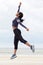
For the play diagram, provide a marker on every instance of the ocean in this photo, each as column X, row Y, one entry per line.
column 22, row 51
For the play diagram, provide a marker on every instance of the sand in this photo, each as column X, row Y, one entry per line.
column 21, row 60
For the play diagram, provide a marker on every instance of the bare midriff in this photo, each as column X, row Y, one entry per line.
column 14, row 27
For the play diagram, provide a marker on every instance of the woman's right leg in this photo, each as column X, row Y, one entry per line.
column 15, row 47
column 15, row 44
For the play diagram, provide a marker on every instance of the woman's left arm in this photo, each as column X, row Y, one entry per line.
column 23, row 26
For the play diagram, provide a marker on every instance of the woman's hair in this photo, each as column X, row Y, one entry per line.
column 21, row 20
column 20, row 14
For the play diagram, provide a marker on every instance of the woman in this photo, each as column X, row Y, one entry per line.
column 18, row 37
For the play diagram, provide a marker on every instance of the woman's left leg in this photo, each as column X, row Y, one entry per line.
column 26, row 43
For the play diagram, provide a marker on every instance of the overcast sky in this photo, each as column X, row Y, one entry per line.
column 33, row 16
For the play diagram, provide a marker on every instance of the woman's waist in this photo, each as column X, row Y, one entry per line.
column 16, row 30
column 14, row 27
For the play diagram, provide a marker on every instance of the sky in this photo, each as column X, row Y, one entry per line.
column 33, row 16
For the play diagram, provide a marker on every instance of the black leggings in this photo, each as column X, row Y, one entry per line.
column 18, row 37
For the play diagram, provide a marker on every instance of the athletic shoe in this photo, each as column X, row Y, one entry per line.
column 13, row 56
column 32, row 48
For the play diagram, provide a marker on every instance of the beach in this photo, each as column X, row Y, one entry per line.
column 26, row 57
column 21, row 60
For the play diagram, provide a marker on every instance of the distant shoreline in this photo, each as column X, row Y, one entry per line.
column 22, row 51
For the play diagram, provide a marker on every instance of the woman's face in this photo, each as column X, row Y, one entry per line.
column 17, row 14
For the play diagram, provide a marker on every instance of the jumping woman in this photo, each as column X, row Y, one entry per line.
column 18, row 37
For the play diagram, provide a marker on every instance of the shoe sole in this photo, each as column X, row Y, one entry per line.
column 13, row 57
column 33, row 49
